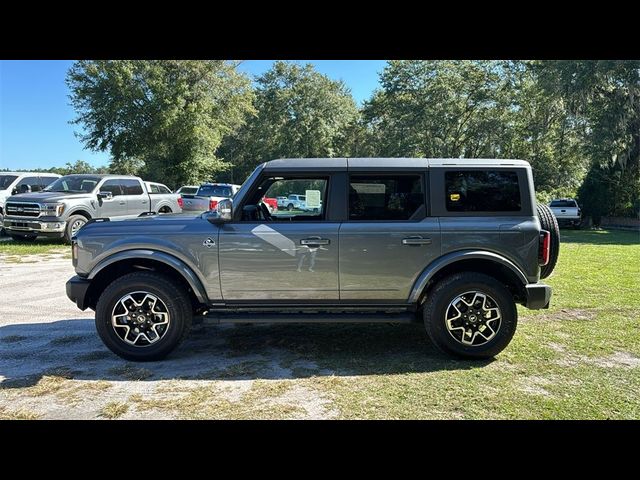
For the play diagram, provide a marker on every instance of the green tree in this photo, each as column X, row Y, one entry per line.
column 161, row 118
column 604, row 96
column 439, row 109
column 299, row 113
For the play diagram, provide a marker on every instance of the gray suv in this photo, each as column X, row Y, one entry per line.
column 453, row 243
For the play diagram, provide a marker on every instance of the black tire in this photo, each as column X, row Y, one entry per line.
column 168, row 291
column 23, row 237
column 164, row 210
column 549, row 223
column 73, row 219
column 2, row 230
column 445, row 291
column 290, row 207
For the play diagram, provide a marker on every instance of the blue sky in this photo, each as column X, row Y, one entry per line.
column 35, row 112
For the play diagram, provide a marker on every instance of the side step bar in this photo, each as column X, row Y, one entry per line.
column 268, row 317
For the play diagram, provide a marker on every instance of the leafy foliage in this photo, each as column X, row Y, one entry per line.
column 161, row 118
column 300, row 113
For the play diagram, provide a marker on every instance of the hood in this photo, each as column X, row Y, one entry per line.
column 47, row 197
column 151, row 225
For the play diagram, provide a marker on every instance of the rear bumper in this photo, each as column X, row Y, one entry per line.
column 77, row 291
column 538, row 296
column 568, row 221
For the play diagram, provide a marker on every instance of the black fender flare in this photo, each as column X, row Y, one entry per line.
column 175, row 263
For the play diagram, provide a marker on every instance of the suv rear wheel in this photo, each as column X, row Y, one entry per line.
column 143, row 316
column 470, row 315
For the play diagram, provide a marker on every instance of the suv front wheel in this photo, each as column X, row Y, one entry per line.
column 143, row 316
column 470, row 315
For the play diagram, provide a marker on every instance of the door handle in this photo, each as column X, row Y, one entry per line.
column 123, row 203
column 315, row 241
column 416, row 241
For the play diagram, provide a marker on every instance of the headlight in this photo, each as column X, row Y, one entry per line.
column 54, row 209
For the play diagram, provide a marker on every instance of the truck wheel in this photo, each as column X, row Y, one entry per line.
column 2, row 230
column 164, row 210
column 143, row 316
column 470, row 315
column 18, row 237
column 548, row 222
column 290, row 207
column 74, row 224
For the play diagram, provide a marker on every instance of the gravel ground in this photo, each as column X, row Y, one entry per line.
column 53, row 365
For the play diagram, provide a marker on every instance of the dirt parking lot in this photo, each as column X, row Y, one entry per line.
column 580, row 359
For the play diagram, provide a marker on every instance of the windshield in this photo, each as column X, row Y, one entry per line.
column 215, row 191
column 563, row 203
column 6, row 180
column 74, row 184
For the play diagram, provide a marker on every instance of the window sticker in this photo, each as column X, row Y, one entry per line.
column 376, row 188
column 312, row 198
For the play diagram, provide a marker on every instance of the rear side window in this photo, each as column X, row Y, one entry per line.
column 163, row 189
column 386, row 197
column 131, row 187
column 482, row 191
column 154, row 188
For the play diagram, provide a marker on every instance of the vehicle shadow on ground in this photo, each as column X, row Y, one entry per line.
column 71, row 349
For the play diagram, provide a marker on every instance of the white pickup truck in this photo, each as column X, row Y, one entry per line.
column 566, row 211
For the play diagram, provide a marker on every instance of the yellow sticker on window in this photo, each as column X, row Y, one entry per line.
column 454, row 197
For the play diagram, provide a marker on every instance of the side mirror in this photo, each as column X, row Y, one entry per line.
column 105, row 195
column 223, row 212
column 14, row 191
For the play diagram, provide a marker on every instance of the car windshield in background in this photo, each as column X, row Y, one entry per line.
column 189, row 190
column 74, row 184
column 215, row 191
column 563, row 203
column 6, row 180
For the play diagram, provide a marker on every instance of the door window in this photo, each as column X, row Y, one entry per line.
column 112, row 186
column 305, row 199
column 153, row 188
column 29, row 185
column 386, row 198
column 131, row 186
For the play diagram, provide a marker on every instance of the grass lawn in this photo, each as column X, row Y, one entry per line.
column 579, row 359
column 14, row 251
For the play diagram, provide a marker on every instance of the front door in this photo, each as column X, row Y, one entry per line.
column 387, row 240
column 287, row 255
column 116, row 206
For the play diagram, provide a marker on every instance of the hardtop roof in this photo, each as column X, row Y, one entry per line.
column 386, row 162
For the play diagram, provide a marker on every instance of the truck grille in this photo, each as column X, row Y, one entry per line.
column 23, row 209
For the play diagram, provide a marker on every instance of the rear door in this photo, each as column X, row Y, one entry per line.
column 136, row 196
column 284, row 256
column 388, row 239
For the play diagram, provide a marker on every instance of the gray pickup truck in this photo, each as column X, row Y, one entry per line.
column 208, row 196
column 67, row 204
column 452, row 243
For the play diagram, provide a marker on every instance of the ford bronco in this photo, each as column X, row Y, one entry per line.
column 452, row 243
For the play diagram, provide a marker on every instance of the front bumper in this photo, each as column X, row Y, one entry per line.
column 538, row 296
column 54, row 228
column 77, row 291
